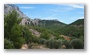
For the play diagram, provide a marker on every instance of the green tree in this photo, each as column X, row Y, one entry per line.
column 16, row 36
column 9, row 21
column 12, row 29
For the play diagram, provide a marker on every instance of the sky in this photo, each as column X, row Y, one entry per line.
column 66, row 13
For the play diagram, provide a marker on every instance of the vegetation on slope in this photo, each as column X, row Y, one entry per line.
column 53, row 34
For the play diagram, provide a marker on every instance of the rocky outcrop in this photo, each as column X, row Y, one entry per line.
column 9, row 8
column 24, row 46
column 35, row 33
column 35, row 21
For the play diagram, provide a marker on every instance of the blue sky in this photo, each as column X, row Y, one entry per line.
column 66, row 13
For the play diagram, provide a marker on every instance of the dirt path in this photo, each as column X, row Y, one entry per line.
column 42, row 47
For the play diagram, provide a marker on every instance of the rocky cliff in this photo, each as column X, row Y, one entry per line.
column 8, row 8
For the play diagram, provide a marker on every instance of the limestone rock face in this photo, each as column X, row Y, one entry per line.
column 8, row 8
column 35, row 21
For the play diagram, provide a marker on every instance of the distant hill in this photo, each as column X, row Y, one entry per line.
column 51, row 24
column 78, row 22
column 75, row 29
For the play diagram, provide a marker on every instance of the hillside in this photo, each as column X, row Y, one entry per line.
column 51, row 24
column 20, row 32
column 75, row 29
column 78, row 22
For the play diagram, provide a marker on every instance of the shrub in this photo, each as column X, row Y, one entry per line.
column 8, row 44
column 35, row 39
column 58, row 44
column 42, row 41
column 54, row 44
column 77, row 44
column 27, row 34
column 45, row 35
column 18, row 43
column 67, row 44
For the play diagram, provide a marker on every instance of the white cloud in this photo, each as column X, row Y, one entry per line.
column 74, row 5
column 67, row 7
column 27, row 7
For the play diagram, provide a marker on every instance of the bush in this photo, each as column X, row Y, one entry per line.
column 45, row 35
column 8, row 44
column 27, row 34
column 58, row 44
column 81, row 38
column 67, row 44
column 18, row 43
column 49, row 43
column 59, row 37
column 77, row 44
column 42, row 41
column 35, row 39
column 54, row 44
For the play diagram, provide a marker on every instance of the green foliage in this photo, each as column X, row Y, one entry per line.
column 27, row 34
column 54, row 44
column 67, row 44
column 72, row 31
column 72, row 38
column 12, row 30
column 81, row 38
column 16, row 36
column 59, row 37
column 9, row 21
column 51, row 25
column 8, row 44
column 18, row 43
column 45, row 35
column 35, row 39
column 58, row 44
column 50, row 43
column 15, row 32
column 77, row 44
column 42, row 41
column 78, row 22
